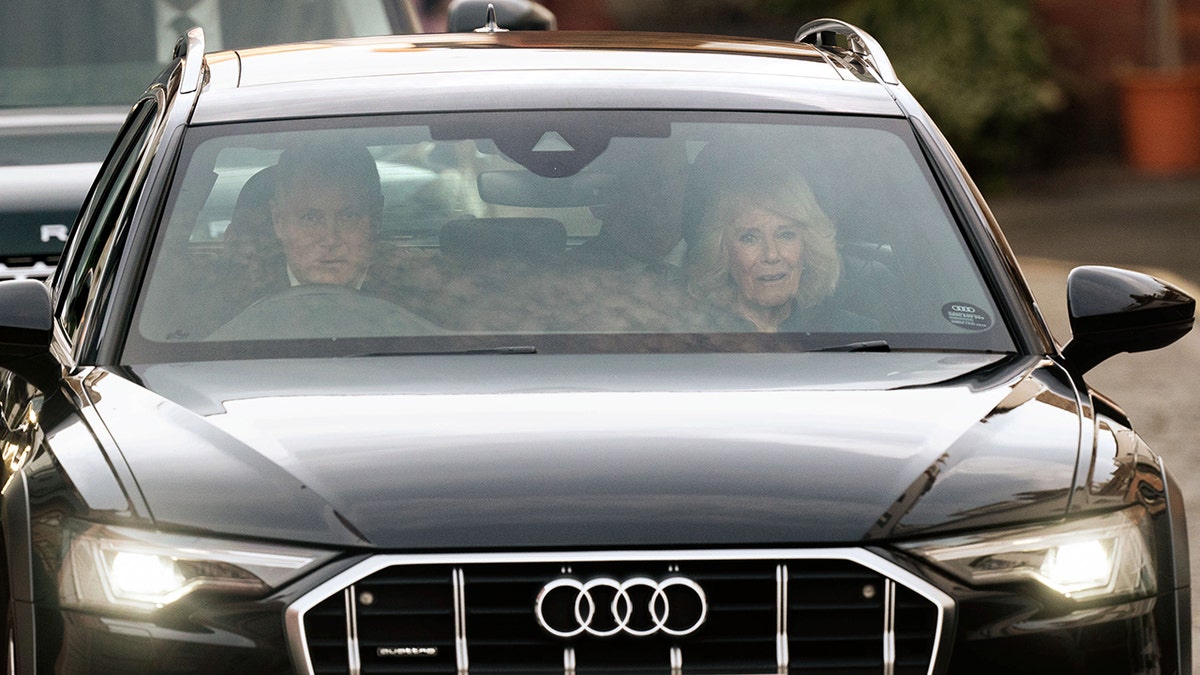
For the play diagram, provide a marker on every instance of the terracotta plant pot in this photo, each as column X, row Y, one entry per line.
column 1160, row 112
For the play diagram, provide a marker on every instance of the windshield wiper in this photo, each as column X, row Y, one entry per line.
column 867, row 346
column 515, row 349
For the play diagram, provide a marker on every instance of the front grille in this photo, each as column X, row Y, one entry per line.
column 844, row 612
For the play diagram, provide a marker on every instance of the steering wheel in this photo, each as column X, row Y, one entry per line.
column 322, row 311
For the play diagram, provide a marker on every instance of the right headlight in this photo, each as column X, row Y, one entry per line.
column 121, row 567
column 1108, row 555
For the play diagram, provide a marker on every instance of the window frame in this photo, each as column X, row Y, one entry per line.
column 82, row 283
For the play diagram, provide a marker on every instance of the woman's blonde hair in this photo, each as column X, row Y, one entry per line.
column 783, row 191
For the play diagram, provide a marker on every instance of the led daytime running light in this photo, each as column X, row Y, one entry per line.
column 134, row 569
column 1104, row 555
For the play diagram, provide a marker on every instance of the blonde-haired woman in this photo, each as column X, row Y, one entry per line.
column 766, row 253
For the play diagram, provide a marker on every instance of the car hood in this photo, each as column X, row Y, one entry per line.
column 523, row 451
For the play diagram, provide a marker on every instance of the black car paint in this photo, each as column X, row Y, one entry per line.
column 529, row 491
column 681, row 466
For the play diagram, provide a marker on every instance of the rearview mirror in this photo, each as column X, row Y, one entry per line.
column 1114, row 310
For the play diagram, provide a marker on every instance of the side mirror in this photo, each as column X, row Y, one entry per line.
column 1114, row 310
column 465, row 16
column 26, row 328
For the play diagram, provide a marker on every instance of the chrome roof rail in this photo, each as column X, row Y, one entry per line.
column 824, row 32
column 190, row 48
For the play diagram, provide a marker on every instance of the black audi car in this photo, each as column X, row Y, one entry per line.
column 569, row 353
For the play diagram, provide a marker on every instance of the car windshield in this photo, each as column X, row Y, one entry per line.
column 558, row 231
column 102, row 52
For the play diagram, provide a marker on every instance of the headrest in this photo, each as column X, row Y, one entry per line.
column 251, row 219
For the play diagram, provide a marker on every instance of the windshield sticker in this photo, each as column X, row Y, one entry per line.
column 965, row 315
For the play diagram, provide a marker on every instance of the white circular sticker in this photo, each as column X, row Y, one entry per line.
column 965, row 315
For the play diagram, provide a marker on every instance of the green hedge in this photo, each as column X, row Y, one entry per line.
column 980, row 68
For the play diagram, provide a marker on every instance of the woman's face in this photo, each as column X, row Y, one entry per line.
column 765, row 251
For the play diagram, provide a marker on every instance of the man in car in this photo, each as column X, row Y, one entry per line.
column 326, row 207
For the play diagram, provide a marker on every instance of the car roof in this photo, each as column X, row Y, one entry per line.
column 531, row 70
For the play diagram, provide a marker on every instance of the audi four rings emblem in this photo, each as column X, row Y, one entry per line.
column 639, row 606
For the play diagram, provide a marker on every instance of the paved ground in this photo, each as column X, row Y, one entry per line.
column 1105, row 214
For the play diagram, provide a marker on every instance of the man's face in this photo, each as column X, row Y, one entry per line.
column 325, row 229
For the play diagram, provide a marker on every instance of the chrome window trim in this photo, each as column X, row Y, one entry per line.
column 294, row 614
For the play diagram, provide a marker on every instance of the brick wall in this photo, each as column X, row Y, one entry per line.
column 1094, row 42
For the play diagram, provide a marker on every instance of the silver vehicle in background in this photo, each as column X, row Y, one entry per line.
column 68, row 69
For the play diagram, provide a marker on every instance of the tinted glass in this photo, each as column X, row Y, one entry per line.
column 560, row 231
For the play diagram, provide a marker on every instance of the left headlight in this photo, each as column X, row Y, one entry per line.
column 1093, row 557
column 107, row 567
